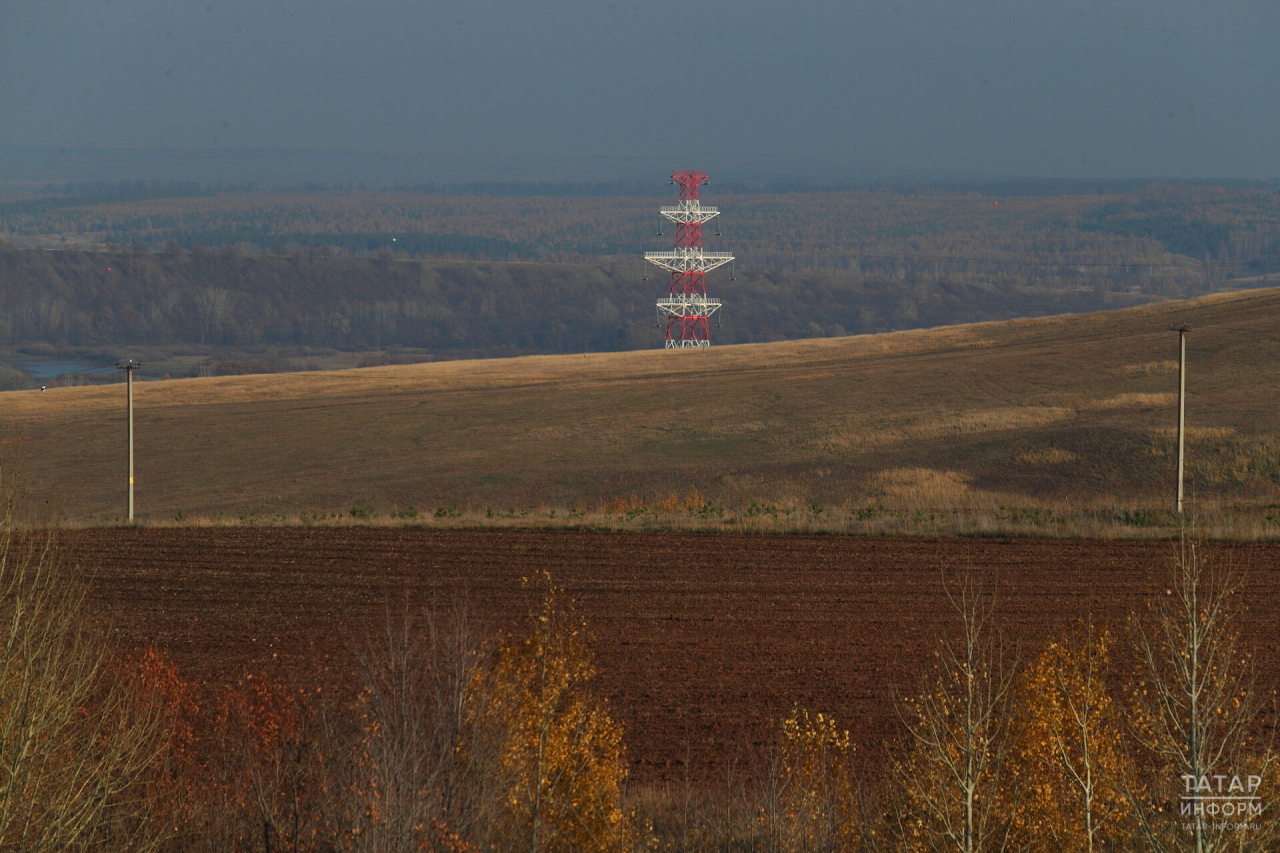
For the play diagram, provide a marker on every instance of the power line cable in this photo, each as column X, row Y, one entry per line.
column 854, row 254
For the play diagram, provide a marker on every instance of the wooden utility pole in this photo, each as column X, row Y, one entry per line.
column 1182, row 407
column 128, row 367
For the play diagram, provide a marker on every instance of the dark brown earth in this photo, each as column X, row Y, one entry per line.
column 703, row 642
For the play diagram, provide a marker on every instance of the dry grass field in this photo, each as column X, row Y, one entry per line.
column 1053, row 423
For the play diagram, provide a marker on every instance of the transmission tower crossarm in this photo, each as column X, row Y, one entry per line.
column 688, row 260
column 688, row 304
column 690, row 211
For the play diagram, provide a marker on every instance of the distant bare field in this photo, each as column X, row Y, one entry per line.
column 1006, row 420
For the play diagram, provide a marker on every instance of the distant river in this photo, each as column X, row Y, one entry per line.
column 51, row 369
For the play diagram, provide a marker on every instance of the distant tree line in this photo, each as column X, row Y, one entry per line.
column 1177, row 239
column 223, row 299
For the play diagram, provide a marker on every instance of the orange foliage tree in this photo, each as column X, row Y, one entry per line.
column 1070, row 754
column 544, row 744
column 163, row 810
column 818, row 798
column 269, row 772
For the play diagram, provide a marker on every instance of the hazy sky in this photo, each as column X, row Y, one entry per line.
column 927, row 88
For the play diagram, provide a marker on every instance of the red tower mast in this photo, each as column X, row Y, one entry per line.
column 688, row 310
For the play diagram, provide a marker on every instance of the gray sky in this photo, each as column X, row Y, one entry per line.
column 915, row 88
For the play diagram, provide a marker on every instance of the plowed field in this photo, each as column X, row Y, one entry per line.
column 703, row 642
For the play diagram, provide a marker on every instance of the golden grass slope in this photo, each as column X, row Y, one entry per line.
column 1072, row 408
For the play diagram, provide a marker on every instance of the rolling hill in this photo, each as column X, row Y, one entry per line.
column 997, row 418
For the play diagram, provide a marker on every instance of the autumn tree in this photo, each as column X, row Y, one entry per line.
column 74, row 738
column 952, row 788
column 818, row 797
column 271, row 770
column 165, row 809
column 1197, row 715
column 1070, row 754
column 538, row 737
column 410, row 776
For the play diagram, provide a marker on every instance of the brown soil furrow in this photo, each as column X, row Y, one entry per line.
column 703, row 642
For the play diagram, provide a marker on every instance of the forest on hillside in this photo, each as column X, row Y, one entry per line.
column 1175, row 239
column 260, row 275
column 219, row 302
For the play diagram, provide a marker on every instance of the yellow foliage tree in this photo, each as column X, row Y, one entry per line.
column 77, row 740
column 537, row 735
column 1069, row 754
column 819, row 804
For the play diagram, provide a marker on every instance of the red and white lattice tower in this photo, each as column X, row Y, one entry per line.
column 688, row 310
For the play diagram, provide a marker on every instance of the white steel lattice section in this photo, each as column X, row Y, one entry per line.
column 690, row 211
column 688, row 260
column 688, row 305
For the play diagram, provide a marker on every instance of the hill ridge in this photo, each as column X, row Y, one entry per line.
column 1072, row 408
